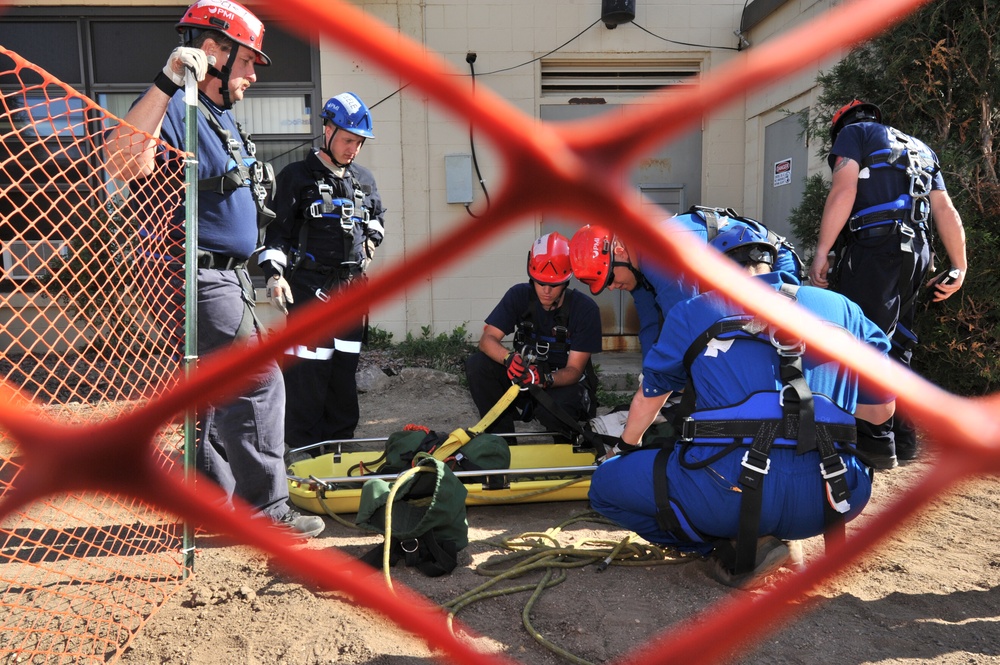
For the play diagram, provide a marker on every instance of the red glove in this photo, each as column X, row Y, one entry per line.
column 534, row 376
column 515, row 366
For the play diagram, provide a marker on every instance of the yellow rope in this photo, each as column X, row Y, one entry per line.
column 543, row 551
column 399, row 482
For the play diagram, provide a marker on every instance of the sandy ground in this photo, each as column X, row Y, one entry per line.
column 930, row 595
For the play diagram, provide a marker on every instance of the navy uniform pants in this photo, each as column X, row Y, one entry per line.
column 881, row 274
column 321, row 380
column 488, row 382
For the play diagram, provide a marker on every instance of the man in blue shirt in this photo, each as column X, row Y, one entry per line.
column 241, row 444
column 887, row 195
column 747, row 434
column 556, row 330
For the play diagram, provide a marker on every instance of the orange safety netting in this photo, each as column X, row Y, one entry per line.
column 120, row 454
column 80, row 570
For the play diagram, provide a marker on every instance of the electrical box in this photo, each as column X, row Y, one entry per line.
column 458, row 178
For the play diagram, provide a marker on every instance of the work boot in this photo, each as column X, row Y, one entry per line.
column 771, row 555
column 301, row 526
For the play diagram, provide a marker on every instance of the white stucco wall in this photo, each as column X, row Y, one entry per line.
column 413, row 135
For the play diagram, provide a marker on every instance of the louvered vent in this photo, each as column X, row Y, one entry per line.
column 613, row 80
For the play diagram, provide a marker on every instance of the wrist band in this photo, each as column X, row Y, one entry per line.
column 165, row 84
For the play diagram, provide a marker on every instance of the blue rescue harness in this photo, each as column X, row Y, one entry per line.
column 911, row 209
column 792, row 417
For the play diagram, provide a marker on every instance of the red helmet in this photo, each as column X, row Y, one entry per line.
column 231, row 19
column 590, row 255
column 548, row 260
column 856, row 111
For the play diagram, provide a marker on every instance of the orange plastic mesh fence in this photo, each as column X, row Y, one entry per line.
column 573, row 160
column 80, row 571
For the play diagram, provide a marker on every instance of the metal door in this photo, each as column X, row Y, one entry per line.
column 670, row 180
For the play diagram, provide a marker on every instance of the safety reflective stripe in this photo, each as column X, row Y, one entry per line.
column 309, row 352
column 320, row 353
column 347, row 346
column 275, row 256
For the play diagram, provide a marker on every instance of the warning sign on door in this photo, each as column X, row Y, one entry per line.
column 783, row 172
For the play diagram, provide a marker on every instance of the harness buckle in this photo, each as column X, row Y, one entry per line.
column 837, row 493
column 346, row 215
column 791, row 349
column 746, row 463
column 322, row 295
column 687, row 429
column 827, row 475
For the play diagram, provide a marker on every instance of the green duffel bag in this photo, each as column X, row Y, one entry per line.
column 484, row 451
column 429, row 524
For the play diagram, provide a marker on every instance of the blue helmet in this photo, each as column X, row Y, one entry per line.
column 349, row 113
column 745, row 244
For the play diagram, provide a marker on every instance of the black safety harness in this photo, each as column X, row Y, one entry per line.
column 534, row 344
column 797, row 422
column 349, row 211
column 912, row 209
column 906, row 215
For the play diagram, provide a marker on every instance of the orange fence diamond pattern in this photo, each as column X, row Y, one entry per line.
column 88, row 552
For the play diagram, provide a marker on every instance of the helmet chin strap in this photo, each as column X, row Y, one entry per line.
column 329, row 153
column 223, row 76
column 558, row 300
column 640, row 279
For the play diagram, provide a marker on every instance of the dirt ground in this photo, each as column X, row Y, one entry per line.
column 931, row 595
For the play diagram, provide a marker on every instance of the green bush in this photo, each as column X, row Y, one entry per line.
column 446, row 352
column 378, row 339
column 933, row 76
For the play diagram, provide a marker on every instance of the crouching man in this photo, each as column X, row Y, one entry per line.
column 767, row 453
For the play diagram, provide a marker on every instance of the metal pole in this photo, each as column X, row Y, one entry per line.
column 338, row 443
column 535, row 471
column 190, row 291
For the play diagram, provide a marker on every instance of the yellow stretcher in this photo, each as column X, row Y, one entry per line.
column 538, row 473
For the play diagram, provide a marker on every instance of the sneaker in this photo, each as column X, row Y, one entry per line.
column 880, row 462
column 796, row 555
column 771, row 555
column 301, row 526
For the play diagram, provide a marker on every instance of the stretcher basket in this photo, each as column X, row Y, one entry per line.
column 538, row 473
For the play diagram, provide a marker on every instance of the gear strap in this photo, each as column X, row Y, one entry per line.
column 798, row 410
column 258, row 175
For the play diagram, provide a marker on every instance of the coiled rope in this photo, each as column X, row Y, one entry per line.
column 534, row 551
